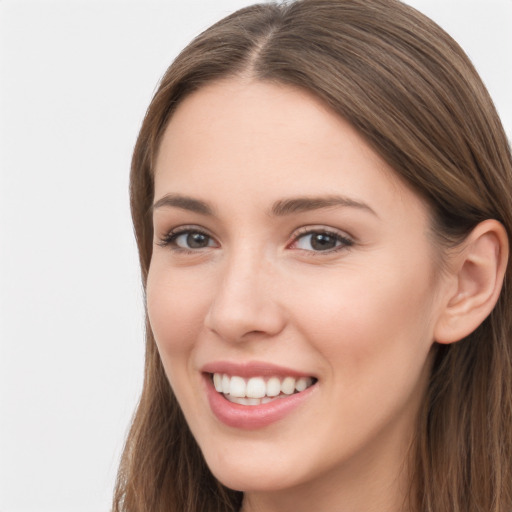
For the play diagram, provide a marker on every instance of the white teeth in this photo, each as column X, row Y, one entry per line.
column 225, row 384
column 288, row 386
column 237, row 387
column 249, row 401
column 301, row 384
column 256, row 390
column 217, row 382
column 273, row 386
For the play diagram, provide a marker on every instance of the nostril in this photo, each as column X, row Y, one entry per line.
column 244, row 322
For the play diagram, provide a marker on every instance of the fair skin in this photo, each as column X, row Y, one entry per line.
column 343, row 291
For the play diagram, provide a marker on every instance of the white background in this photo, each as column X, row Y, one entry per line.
column 75, row 80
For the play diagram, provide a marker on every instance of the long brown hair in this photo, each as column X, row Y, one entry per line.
column 413, row 94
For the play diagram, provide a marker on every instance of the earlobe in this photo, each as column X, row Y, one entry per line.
column 478, row 270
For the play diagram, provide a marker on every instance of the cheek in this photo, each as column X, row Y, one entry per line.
column 375, row 336
column 376, row 317
column 176, row 310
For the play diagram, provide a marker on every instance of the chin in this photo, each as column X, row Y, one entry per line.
column 253, row 478
column 257, row 468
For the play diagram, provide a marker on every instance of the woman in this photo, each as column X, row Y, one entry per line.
column 321, row 198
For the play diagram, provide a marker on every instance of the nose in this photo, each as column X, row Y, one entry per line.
column 245, row 303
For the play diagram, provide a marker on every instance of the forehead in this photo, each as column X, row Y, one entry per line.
column 262, row 141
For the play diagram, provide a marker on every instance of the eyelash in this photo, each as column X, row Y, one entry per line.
column 169, row 240
column 345, row 242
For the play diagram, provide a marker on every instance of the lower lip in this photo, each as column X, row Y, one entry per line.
column 251, row 417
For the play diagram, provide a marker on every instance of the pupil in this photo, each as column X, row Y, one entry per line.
column 322, row 242
column 197, row 240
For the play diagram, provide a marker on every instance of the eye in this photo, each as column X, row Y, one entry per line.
column 321, row 241
column 193, row 240
column 188, row 240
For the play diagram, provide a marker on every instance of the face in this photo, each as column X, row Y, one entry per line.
column 292, row 290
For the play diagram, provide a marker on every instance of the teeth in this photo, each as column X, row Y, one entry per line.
column 237, row 387
column 225, row 384
column 273, row 386
column 246, row 401
column 256, row 387
column 217, row 382
column 288, row 386
column 301, row 384
column 257, row 390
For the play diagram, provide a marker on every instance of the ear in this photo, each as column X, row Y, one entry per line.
column 477, row 269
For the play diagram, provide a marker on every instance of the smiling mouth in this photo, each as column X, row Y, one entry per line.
column 258, row 390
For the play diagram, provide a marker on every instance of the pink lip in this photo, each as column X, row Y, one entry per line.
column 249, row 417
column 252, row 369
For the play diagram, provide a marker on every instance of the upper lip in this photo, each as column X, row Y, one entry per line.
column 252, row 369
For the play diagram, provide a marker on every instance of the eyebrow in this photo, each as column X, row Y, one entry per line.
column 304, row 204
column 185, row 203
column 280, row 208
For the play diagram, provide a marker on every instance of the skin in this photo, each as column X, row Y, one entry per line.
column 360, row 318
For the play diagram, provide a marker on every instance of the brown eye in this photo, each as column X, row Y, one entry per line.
column 322, row 241
column 190, row 240
column 197, row 240
column 319, row 241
